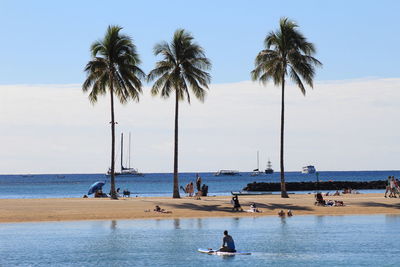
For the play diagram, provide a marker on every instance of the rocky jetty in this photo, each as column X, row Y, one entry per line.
column 310, row 186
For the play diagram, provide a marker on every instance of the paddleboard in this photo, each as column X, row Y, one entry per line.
column 216, row 252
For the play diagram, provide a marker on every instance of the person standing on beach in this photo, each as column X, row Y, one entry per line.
column 187, row 189
column 198, row 182
column 191, row 189
column 392, row 187
column 388, row 188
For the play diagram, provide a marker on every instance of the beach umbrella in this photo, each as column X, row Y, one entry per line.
column 96, row 186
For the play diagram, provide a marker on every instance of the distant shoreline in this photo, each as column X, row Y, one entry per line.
column 77, row 209
column 187, row 172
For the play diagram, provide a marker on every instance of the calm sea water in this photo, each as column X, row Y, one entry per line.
column 157, row 184
column 295, row 241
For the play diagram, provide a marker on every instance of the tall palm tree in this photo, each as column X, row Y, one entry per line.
column 183, row 65
column 287, row 53
column 114, row 68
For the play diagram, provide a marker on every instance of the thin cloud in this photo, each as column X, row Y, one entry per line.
column 339, row 125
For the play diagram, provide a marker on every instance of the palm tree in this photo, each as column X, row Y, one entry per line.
column 114, row 68
column 183, row 65
column 287, row 52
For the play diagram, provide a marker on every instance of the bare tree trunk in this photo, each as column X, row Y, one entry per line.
column 284, row 194
column 176, row 183
column 113, row 193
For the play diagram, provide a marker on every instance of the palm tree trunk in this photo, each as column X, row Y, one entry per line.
column 283, row 185
column 113, row 193
column 176, row 183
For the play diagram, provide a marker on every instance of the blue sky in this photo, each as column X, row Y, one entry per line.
column 47, row 42
column 47, row 124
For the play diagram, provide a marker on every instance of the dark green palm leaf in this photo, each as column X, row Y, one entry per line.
column 183, row 67
column 287, row 52
column 113, row 68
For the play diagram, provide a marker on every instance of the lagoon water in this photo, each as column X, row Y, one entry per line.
column 297, row 241
column 158, row 184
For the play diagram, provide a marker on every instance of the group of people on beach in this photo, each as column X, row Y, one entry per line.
column 392, row 187
column 201, row 189
column 320, row 201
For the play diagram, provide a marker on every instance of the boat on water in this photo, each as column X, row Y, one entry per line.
column 226, row 173
column 256, row 172
column 126, row 171
column 269, row 169
column 308, row 169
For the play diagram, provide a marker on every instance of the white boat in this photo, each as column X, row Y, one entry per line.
column 226, row 172
column 126, row 171
column 308, row 169
column 256, row 172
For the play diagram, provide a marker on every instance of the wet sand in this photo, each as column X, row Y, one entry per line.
column 74, row 209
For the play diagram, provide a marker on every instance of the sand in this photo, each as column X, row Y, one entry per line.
column 74, row 209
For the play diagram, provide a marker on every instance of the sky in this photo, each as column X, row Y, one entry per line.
column 47, row 124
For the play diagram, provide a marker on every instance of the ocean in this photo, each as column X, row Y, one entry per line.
column 160, row 184
column 273, row 241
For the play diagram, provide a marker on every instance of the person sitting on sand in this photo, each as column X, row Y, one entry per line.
column 339, row 203
column 281, row 213
column 159, row 209
column 330, row 203
column 236, row 204
column 253, row 208
column 228, row 245
column 320, row 200
column 289, row 213
column 126, row 193
column 337, row 193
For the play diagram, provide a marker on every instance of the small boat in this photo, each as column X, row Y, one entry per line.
column 308, row 169
column 226, row 173
column 269, row 169
column 126, row 171
column 256, row 172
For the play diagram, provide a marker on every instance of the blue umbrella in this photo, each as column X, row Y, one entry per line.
column 96, row 186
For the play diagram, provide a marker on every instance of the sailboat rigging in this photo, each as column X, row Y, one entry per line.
column 257, row 172
column 126, row 171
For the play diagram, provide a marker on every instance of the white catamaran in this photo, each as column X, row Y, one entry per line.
column 126, row 171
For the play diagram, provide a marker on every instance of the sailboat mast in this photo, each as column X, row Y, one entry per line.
column 129, row 153
column 258, row 160
column 122, row 149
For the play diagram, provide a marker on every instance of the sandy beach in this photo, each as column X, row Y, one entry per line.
column 71, row 209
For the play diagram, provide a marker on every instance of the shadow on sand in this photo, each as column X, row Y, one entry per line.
column 204, row 207
column 381, row 205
